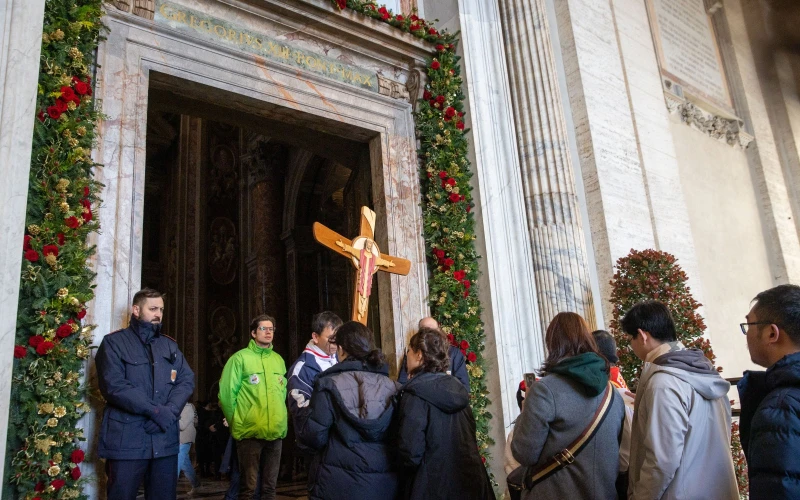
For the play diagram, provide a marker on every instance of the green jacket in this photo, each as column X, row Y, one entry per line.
column 252, row 392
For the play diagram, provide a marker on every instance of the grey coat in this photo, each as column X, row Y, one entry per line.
column 555, row 412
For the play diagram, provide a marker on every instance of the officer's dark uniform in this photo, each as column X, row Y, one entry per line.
column 143, row 376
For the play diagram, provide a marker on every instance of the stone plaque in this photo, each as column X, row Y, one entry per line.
column 687, row 51
column 223, row 32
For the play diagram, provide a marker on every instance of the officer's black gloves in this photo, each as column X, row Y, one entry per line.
column 162, row 416
column 151, row 427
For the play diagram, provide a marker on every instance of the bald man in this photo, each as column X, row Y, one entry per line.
column 458, row 364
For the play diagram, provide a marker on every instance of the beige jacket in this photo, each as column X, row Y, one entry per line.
column 188, row 423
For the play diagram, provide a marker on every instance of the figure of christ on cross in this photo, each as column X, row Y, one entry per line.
column 366, row 258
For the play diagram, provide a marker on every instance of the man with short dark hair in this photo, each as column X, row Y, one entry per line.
column 146, row 382
column 318, row 356
column 771, row 400
column 680, row 436
column 252, row 393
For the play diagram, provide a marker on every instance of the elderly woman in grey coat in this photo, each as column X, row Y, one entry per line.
column 558, row 409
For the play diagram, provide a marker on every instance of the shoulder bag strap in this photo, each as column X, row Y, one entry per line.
column 568, row 454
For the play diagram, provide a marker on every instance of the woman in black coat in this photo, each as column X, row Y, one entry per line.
column 347, row 423
column 436, row 438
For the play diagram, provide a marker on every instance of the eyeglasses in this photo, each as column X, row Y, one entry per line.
column 270, row 329
column 744, row 326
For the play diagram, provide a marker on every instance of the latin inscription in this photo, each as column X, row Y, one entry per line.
column 184, row 19
column 688, row 48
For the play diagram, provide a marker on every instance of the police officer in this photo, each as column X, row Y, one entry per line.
column 146, row 382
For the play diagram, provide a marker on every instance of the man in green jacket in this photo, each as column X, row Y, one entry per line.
column 252, row 393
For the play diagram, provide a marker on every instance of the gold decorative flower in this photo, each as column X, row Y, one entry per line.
column 51, row 260
column 57, row 376
column 75, row 327
column 46, row 408
column 75, row 53
column 60, row 411
column 33, row 229
column 52, row 422
column 81, row 351
column 62, row 292
column 44, row 444
column 81, row 131
column 57, row 35
column 71, row 106
column 57, row 457
column 64, row 206
column 48, row 216
column 53, row 470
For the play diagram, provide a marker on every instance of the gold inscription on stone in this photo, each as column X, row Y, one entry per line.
column 259, row 44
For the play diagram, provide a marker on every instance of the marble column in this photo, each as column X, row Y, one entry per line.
column 548, row 181
column 20, row 46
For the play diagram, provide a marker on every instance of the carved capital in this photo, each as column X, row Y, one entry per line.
column 391, row 88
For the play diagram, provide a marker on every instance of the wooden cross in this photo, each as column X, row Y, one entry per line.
column 366, row 258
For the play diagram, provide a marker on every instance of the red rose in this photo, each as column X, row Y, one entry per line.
column 61, row 105
column 483, row 459
column 339, row 3
column 50, row 249
column 40, row 116
column 434, row 104
column 432, row 31
column 452, row 72
column 64, row 331
column 81, row 315
column 426, row 95
column 449, row 262
column 67, row 93
column 76, row 472
column 77, row 100
column 57, row 484
column 460, row 114
column 87, row 210
column 435, row 65
column 85, row 191
column 31, row 255
column 472, row 357
column 77, row 456
column 35, row 341
column 83, row 88
column 459, row 275
column 451, row 339
column 72, row 222
column 44, row 347
column 454, row 198
column 384, row 13
column 451, row 181
column 414, row 26
column 20, row 351
column 26, row 245
column 53, row 112
column 439, row 253
column 39, row 486
column 414, row 17
column 443, row 175
column 440, row 47
column 469, row 208
column 450, row 112
column 399, row 17
column 464, row 344
column 467, row 284
column 460, row 125
column 440, row 99
column 60, row 237
column 466, row 293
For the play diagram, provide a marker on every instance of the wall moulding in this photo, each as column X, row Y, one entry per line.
column 728, row 130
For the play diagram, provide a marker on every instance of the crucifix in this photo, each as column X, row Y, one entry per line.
column 366, row 258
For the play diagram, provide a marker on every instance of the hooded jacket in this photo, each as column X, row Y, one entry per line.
column 252, row 393
column 769, row 429
column 680, row 437
column 556, row 410
column 347, row 423
column 436, row 441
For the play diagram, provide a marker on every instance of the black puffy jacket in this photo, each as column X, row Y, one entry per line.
column 769, row 427
column 436, row 441
column 347, row 423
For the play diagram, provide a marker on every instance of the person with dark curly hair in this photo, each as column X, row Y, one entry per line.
column 347, row 422
column 436, row 430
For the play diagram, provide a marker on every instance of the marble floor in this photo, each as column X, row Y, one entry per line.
column 215, row 490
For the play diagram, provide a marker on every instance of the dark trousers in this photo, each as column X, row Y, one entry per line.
column 159, row 475
column 258, row 455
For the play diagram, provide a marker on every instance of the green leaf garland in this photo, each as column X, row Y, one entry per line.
column 52, row 343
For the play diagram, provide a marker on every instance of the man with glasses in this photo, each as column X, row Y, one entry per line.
column 252, row 393
column 770, row 420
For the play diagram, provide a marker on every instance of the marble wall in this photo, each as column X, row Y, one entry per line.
column 20, row 46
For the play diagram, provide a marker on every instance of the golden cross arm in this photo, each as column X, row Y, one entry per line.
column 341, row 245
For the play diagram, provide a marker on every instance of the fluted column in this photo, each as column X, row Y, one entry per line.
column 548, row 180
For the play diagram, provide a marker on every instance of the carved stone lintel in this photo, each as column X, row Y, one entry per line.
column 144, row 8
column 723, row 129
column 393, row 89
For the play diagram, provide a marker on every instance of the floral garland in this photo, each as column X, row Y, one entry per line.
column 52, row 344
column 448, row 224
